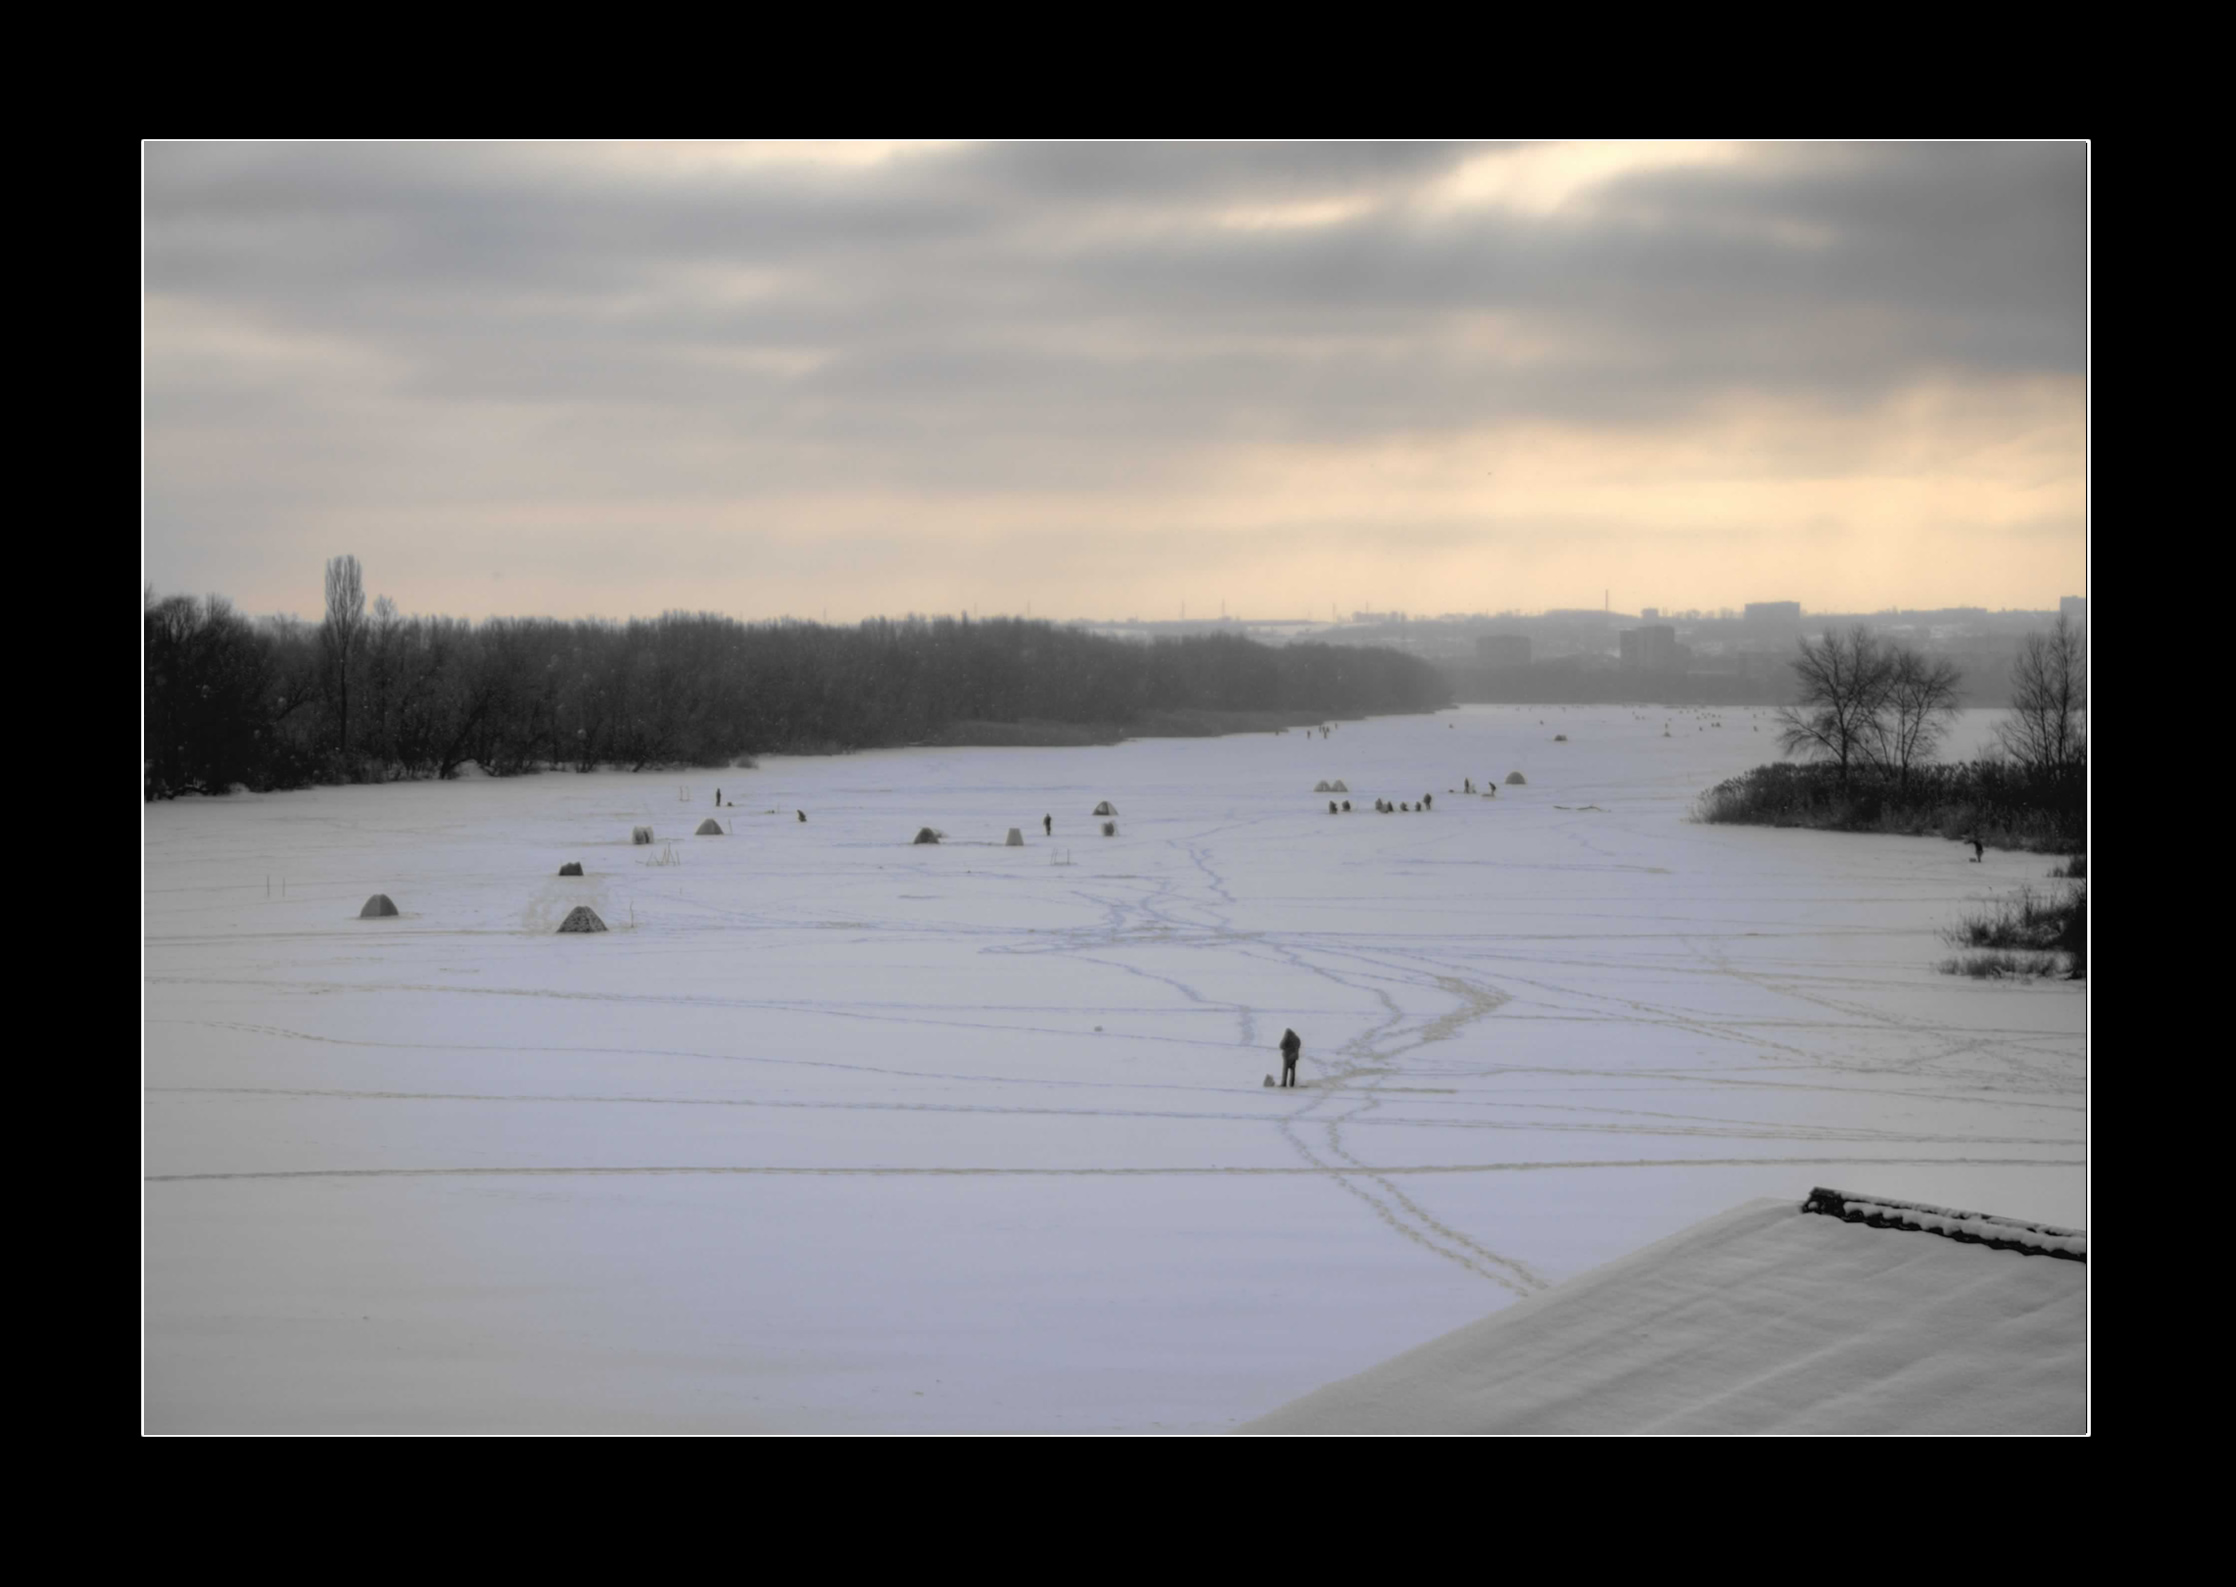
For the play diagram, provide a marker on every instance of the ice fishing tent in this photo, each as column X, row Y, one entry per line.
column 1841, row 1314
column 1339, row 786
column 1106, row 808
column 582, row 918
column 571, row 868
column 376, row 906
column 1515, row 779
column 1015, row 840
column 926, row 835
column 1322, row 786
column 709, row 828
column 640, row 834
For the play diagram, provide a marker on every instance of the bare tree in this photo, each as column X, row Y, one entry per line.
column 1844, row 681
column 1921, row 700
column 345, row 622
column 2047, row 730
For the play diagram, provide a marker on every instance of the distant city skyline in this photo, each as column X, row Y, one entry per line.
column 1723, row 612
column 307, row 611
column 1093, row 381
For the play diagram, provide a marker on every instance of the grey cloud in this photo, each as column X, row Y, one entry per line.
column 1008, row 315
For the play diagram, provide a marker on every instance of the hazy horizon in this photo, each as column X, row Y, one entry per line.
column 1104, row 382
column 305, row 612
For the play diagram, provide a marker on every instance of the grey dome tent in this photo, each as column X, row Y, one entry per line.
column 1515, row 779
column 581, row 918
column 376, row 906
column 1106, row 808
column 926, row 835
column 710, row 828
column 1015, row 840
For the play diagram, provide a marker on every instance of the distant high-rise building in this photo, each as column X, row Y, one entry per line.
column 1773, row 611
column 1650, row 613
column 1653, row 649
column 1502, row 650
column 2074, row 607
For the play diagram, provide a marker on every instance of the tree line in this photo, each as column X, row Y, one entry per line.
column 1870, row 708
column 369, row 694
column 1867, row 718
column 1564, row 681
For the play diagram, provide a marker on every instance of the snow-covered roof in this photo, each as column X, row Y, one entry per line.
column 1972, row 1228
column 1764, row 1319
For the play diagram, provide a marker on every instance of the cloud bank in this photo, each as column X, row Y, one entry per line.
column 1106, row 379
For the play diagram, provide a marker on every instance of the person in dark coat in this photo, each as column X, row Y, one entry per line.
column 802, row 814
column 1291, row 1045
column 1979, row 849
column 1331, row 807
column 1428, row 801
column 1047, row 826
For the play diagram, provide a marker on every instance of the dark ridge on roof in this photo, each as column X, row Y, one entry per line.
column 1968, row 1228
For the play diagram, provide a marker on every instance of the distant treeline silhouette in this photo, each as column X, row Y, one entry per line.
column 367, row 697
column 1564, row 681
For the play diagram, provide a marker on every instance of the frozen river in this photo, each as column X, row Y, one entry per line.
column 832, row 1132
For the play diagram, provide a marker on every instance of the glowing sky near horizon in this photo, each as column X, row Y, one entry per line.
column 1112, row 380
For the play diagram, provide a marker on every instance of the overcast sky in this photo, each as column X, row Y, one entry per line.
column 1110, row 380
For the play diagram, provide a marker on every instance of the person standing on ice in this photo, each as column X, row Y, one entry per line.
column 1979, row 849
column 1291, row 1045
column 1047, row 826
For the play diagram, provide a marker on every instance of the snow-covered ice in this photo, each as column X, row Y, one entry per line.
column 834, row 1132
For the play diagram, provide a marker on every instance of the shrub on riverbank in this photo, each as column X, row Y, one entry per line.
column 2003, row 805
column 2006, row 966
column 2022, row 929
